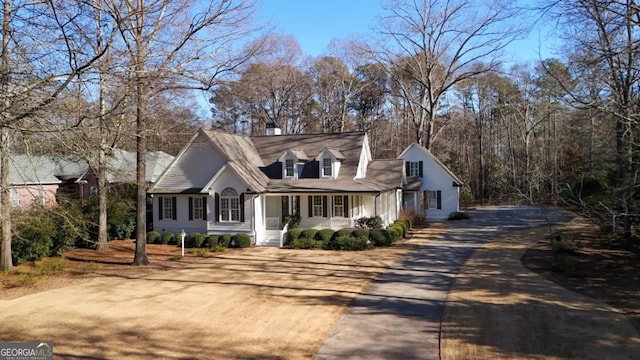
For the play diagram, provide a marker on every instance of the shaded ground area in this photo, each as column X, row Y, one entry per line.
column 600, row 268
column 498, row 309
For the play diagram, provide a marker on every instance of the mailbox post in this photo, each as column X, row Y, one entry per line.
column 183, row 234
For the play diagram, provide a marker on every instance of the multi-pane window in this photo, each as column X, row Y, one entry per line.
column 229, row 205
column 198, row 208
column 414, row 168
column 167, row 208
column 326, row 167
column 317, row 205
column 434, row 201
column 288, row 168
column 338, row 206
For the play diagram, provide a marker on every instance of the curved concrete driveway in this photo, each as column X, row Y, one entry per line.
column 398, row 316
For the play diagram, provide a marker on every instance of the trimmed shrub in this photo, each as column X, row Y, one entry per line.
column 291, row 235
column 325, row 235
column 400, row 226
column 458, row 215
column 305, row 243
column 395, row 232
column 349, row 243
column 167, row 238
column 224, row 240
column 292, row 220
column 195, row 240
column 211, row 241
column 373, row 222
column 361, row 233
column 308, row 234
column 343, row 232
column 242, row 240
column 153, row 237
column 380, row 237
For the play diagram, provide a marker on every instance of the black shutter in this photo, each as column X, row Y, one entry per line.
column 174, row 206
column 420, row 168
column 241, row 207
column 310, row 206
column 160, row 208
column 345, row 203
column 324, row 206
column 217, row 198
column 190, row 208
column 205, row 210
column 407, row 167
column 297, row 209
column 439, row 195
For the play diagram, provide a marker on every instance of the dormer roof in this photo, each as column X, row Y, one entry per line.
column 336, row 154
column 297, row 154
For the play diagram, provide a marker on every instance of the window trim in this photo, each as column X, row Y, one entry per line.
column 229, row 206
column 288, row 168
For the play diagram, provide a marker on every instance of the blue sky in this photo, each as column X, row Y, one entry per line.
column 315, row 22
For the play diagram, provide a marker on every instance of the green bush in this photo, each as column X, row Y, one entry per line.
column 32, row 240
column 224, row 240
column 403, row 225
column 153, row 237
column 292, row 220
column 211, row 241
column 395, row 232
column 380, row 237
column 325, row 235
column 458, row 215
column 305, row 243
column 361, row 233
column 373, row 222
column 308, row 234
column 194, row 240
column 70, row 226
column 348, row 243
column 291, row 235
column 343, row 232
column 242, row 240
column 167, row 238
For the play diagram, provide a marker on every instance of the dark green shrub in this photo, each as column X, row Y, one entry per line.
column 343, row 232
column 305, row 243
column 348, row 243
column 325, row 235
column 291, row 235
column 211, row 241
column 153, row 237
column 395, row 232
column 194, row 240
column 70, row 226
column 361, row 233
column 373, row 222
column 458, row 215
column 168, row 237
column 224, row 240
column 241, row 240
column 308, row 234
column 32, row 240
column 380, row 237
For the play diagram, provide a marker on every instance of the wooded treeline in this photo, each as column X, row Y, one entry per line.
column 85, row 77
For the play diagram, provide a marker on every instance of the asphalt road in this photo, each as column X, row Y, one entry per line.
column 398, row 316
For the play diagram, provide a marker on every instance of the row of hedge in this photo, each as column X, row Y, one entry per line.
column 198, row 240
column 347, row 239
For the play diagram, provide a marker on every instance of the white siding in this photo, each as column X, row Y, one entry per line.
column 229, row 179
column 182, row 216
column 434, row 178
column 197, row 165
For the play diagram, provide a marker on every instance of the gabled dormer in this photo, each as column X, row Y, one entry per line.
column 292, row 163
column 329, row 161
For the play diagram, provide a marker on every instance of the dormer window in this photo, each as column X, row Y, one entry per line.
column 326, row 167
column 288, row 168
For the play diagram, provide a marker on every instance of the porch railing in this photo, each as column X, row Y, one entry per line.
column 272, row 223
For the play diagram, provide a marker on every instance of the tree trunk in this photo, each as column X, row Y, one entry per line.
column 6, row 263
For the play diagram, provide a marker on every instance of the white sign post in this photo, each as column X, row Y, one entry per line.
column 183, row 234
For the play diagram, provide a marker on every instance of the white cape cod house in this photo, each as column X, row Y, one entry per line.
column 225, row 183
